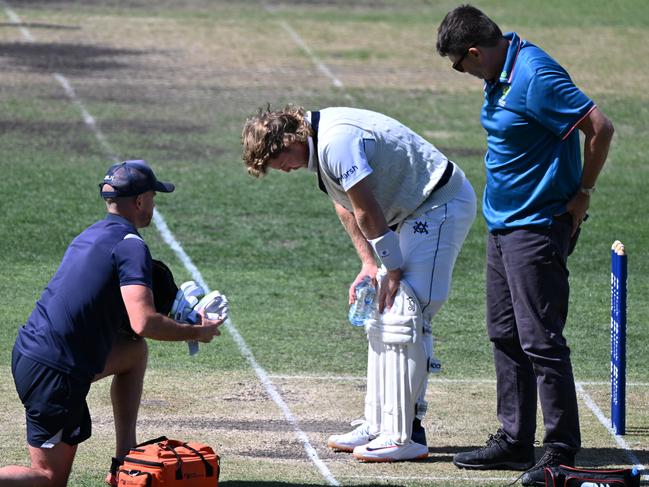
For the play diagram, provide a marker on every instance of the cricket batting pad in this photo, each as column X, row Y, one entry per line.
column 406, row 362
column 375, row 389
column 374, row 392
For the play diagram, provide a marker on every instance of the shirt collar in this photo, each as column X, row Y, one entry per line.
column 120, row 219
column 507, row 73
column 515, row 43
column 311, row 166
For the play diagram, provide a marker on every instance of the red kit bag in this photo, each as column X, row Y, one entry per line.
column 564, row 476
column 162, row 462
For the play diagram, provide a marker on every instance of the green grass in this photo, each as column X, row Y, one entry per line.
column 174, row 83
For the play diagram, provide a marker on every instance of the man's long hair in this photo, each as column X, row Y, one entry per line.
column 265, row 135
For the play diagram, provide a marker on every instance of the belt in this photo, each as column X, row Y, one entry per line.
column 446, row 176
column 448, row 172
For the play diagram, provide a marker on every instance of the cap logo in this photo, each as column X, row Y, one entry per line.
column 131, row 178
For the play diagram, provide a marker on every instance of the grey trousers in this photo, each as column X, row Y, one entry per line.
column 527, row 306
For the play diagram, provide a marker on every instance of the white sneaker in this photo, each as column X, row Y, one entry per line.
column 384, row 449
column 348, row 441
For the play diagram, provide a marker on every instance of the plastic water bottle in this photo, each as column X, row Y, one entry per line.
column 193, row 347
column 362, row 307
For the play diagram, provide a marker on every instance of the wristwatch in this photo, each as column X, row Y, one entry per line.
column 587, row 191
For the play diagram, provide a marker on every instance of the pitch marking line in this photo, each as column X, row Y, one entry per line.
column 169, row 238
column 590, row 403
column 301, row 43
column 454, row 478
column 433, row 379
column 357, row 378
column 606, row 423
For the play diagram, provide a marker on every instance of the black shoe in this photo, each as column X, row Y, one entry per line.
column 418, row 432
column 552, row 457
column 498, row 454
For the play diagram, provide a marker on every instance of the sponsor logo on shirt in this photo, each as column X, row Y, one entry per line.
column 347, row 174
column 501, row 100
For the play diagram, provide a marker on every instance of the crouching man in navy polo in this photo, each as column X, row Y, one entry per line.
column 72, row 337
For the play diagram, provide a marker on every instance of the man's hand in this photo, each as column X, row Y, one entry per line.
column 207, row 328
column 389, row 289
column 577, row 208
column 368, row 270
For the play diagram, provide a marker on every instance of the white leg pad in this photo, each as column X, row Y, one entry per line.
column 375, row 379
column 406, row 360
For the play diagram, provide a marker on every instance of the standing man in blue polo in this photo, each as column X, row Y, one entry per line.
column 72, row 336
column 536, row 197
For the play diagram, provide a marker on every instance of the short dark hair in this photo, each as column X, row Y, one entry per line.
column 463, row 27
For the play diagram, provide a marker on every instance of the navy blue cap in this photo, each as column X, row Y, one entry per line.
column 131, row 178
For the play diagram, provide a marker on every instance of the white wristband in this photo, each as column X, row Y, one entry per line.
column 387, row 248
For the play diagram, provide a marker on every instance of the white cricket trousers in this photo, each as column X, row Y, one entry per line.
column 430, row 243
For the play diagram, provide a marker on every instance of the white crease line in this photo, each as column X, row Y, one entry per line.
column 578, row 385
column 324, row 69
column 454, row 478
column 169, row 238
column 171, row 241
column 432, row 380
column 16, row 20
column 603, row 383
column 65, row 84
column 247, row 354
column 303, row 45
column 606, row 423
column 88, row 119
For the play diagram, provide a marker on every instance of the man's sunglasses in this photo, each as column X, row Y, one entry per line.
column 457, row 65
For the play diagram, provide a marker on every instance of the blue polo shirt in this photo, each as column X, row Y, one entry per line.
column 533, row 158
column 74, row 322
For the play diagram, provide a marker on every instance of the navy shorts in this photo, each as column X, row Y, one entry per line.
column 55, row 403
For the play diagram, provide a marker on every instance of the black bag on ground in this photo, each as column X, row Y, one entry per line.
column 564, row 476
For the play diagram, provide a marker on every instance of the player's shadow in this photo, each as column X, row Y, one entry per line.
column 587, row 457
column 594, row 457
